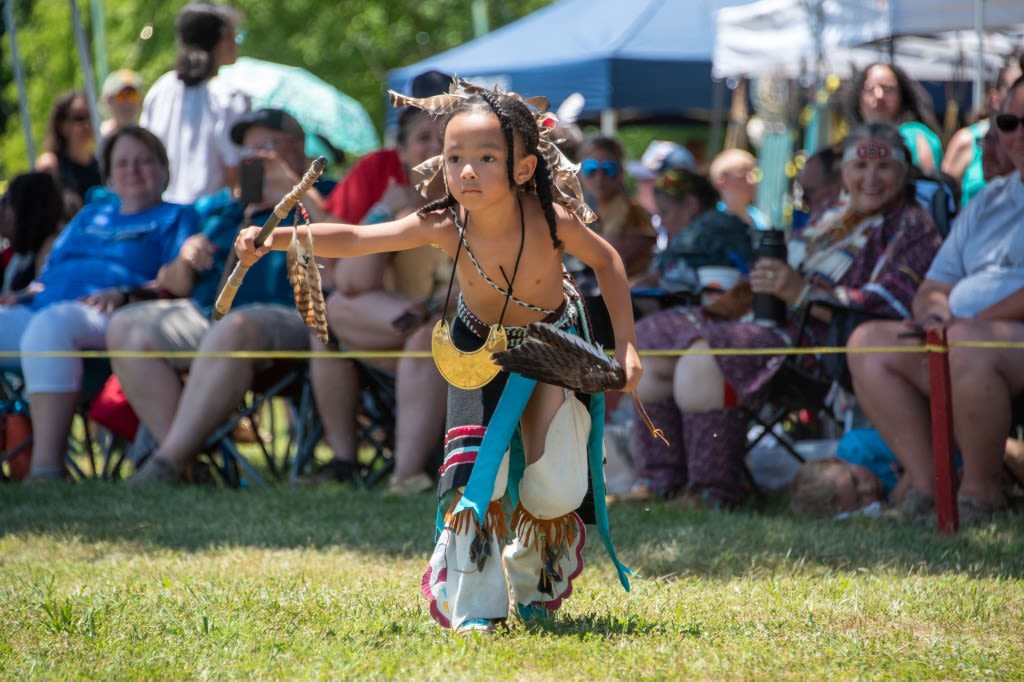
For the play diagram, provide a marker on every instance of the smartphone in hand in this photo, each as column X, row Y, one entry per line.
column 251, row 180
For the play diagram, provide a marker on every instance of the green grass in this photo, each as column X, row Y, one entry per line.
column 103, row 581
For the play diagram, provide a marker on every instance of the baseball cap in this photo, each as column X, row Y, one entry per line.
column 660, row 156
column 122, row 79
column 274, row 119
column 430, row 83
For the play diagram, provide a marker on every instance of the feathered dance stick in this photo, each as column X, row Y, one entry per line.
column 227, row 294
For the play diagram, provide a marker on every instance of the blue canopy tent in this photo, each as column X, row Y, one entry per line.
column 642, row 58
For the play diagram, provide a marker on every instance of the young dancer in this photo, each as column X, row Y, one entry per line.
column 506, row 205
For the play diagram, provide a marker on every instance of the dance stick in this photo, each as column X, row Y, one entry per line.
column 227, row 294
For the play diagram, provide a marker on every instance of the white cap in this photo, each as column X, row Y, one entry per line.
column 660, row 156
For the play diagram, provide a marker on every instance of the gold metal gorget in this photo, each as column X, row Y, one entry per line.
column 467, row 369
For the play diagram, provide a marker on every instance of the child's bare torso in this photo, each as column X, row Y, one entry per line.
column 496, row 247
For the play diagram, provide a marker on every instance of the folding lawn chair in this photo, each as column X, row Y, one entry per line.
column 93, row 451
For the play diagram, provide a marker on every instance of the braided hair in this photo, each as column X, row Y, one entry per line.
column 515, row 117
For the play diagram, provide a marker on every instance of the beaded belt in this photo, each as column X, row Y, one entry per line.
column 563, row 316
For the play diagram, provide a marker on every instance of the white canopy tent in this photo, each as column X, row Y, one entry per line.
column 937, row 39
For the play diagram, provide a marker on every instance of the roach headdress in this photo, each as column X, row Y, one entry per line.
column 565, row 182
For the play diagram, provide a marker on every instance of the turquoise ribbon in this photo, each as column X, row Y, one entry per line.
column 503, row 425
column 595, row 450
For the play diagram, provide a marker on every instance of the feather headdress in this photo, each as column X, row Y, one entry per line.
column 564, row 173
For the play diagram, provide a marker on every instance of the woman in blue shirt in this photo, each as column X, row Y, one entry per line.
column 112, row 246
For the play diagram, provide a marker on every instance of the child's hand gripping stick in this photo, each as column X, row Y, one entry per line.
column 227, row 294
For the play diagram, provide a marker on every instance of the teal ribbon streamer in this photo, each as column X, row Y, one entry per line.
column 595, row 451
column 503, row 425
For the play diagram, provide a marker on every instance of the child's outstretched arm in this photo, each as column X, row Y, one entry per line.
column 594, row 251
column 338, row 240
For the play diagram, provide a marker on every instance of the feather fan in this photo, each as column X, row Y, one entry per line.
column 553, row 356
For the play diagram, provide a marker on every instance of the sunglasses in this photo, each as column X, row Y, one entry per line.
column 591, row 167
column 126, row 95
column 80, row 118
column 1008, row 122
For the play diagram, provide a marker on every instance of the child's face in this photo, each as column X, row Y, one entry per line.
column 855, row 487
column 476, row 159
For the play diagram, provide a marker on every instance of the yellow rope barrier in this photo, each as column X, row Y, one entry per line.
column 386, row 354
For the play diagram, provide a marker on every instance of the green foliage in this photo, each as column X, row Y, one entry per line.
column 352, row 45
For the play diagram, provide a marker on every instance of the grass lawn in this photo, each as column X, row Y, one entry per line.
column 103, row 581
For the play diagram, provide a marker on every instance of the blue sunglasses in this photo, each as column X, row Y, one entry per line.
column 591, row 166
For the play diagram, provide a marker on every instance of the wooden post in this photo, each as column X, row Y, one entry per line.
column 942, row 432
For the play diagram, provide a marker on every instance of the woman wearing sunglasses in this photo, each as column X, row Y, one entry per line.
column 621, row 220
column 70, row 154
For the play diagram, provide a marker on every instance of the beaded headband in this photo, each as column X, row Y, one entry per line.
column 566, row 188
column 872, row 149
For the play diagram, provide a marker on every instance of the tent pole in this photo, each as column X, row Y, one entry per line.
column 99, row 40
column 979, row 71
column 19, row 76
column 87, row 72
column 481, row 25
column 609, row 122
column 717, row 117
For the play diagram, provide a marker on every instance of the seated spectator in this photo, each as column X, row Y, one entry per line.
column 734, row 174
column 31, row 213
column 884, row 93
column 107, row 250
column 418, row 137
column 698, row 234
column 192, row 110
column 397, row 316
column 620, row 219
column 820, row 182
column 870, row 251
column 995, row 162
column 122, row 95
column 379, row 290
column 181, row 416
column 660, row 156
column 963, row 158
column 973, row 290
column 70, row 154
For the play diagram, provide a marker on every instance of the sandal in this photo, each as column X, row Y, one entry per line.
column 641, row 492
column 335, row 471
column 407, row 487
column 155, row 469
column 916, row 507
column 977, row 513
